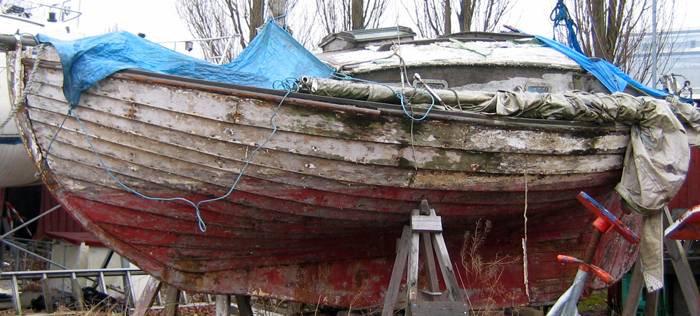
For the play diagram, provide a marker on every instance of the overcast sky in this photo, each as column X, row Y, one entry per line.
column 158, row 19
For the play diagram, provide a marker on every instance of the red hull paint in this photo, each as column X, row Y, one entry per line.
column 687, row 196
column 228, row 258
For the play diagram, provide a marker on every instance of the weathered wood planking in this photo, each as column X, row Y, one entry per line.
column 316, row 215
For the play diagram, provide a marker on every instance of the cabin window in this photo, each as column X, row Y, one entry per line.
column 432, row 83
column 539, row 88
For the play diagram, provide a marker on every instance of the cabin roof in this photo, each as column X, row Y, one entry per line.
column 362, row 38
column 520, row 52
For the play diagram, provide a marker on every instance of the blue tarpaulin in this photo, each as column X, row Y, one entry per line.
column 273, row 55
column 608, row 74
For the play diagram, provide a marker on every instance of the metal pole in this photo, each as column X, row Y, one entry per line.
column 31, row 254
column 29, row 222
column 654, row 47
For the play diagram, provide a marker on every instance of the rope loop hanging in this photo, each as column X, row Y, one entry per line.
column 561, row 17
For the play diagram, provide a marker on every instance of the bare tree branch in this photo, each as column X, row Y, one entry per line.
column 434, row 17
column 206, row 19
column 482, row 15
column 619, row 32
column 344, row 15
column 303, row 26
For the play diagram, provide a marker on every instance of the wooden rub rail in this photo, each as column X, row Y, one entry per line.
column 45, row 275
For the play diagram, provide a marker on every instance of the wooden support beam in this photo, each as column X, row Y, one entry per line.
column 48, row 297
column 126, row 281
column 244, row 307
column 223, row 305
column 150, row 292
column 634, row 292
column 444, row 309
column 172, row 301
column 77, row 292
column 438, row 242
column 448, row 272
column 652, row 303
column 183, row 298
column 412, row 276
column 686, row 246
column 392, row 292
column 101, row 278
column 683, row 272
column 428, row 255
column 427, row 225
column 16, row 301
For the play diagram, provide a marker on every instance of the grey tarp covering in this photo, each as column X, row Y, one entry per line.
column 573, row 105
column 657, row 157
column 657, row 147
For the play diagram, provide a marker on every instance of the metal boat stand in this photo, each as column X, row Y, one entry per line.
column 566, row 305
column 426, row 227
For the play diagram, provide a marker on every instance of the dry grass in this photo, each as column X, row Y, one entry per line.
column 486, row 273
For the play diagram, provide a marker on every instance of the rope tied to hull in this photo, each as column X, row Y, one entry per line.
column 289, row 85
column 399, row 95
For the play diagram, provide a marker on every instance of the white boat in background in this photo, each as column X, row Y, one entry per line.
column 24, row 17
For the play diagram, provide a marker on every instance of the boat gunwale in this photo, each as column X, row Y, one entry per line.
column 351, row 105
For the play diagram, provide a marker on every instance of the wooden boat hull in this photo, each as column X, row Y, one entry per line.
column 316, row 215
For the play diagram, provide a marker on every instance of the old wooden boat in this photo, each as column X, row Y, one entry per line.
column 148, row 162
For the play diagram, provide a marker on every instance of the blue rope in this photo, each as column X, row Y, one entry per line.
column 636, row 128
column 560, row 16
column 399, row 95
column 48, row 149
column 289, row 85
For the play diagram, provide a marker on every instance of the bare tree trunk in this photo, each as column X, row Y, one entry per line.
column 600, row 20
column 358, row 17
column 257, row 18
column 238, row 20
column 448, row 16
column 434, row 17
column 278, row 8
column 466, row 14
column 345, row 15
